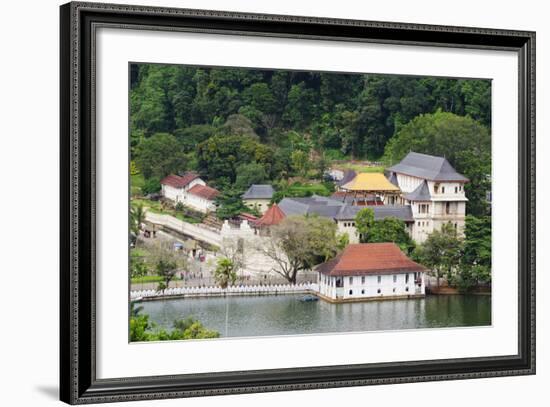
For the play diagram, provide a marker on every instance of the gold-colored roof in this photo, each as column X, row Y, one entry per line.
column 374, row 182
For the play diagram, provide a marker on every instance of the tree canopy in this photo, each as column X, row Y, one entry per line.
column 300, row 242
column 385, row 230
column 354, row 113
column 159, row 155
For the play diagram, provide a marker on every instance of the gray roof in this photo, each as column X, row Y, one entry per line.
column 421, row 193
column 393, row 179
column 402, row 212
column 428, row 167
column 259, row 191
column 291, row 206
column 349, row 175
column 348, row 212
column 331, row 208
column 319, row 205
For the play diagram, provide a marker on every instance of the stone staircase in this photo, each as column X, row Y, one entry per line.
column 212, row 222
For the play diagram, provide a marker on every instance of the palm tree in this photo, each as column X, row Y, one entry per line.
column 137, row 217
column 224, row 275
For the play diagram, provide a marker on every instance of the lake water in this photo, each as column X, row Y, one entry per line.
column 287, row 315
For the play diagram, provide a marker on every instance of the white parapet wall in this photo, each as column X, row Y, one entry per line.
column 215, row 291
column 244, row 231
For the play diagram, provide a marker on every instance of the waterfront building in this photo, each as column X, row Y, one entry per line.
column 258, row 196
column 369, row 271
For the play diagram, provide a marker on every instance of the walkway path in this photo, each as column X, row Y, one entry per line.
column 197, row 232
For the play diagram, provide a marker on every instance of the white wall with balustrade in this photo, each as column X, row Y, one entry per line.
column 232, row 290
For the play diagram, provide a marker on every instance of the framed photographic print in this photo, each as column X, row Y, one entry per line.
column 255, row 203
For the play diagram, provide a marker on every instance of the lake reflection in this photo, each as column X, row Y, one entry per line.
column 287, row 315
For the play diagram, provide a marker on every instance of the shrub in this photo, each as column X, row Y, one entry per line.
column 151, row 186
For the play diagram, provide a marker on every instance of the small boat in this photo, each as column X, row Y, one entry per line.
column 309, row 298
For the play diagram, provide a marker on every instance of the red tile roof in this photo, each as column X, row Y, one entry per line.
column 204, row 191
column 369, row 258
column 178, row 181
column 247, row 216
column 273, row 216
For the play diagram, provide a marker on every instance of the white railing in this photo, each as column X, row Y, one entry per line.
column 232, row 290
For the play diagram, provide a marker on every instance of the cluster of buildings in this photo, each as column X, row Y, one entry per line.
column 423, row 191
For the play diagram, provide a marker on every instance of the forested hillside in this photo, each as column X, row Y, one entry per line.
column 239, row 126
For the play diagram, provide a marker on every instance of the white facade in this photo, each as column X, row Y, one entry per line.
column 198, row 203
column 179, row 194
column 348, row 227
column 183, row 195
column 371, row 286
column 446, row 205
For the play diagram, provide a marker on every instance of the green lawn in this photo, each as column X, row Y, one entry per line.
column 360, row 167
column 136, row 183
column 299, row 189
column 149, row 279
column 155, row 207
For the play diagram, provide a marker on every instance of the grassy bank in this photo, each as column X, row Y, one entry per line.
column 157, row 207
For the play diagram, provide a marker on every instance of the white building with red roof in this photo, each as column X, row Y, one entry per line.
column 366, row 271
column 190, row 190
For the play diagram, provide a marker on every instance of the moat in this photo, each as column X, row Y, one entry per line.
column 242, row 316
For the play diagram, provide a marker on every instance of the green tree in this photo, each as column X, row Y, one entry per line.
column 166, row 269
column 343, row 241
column 219, row 156
column 239, row 125
column 390, row 230
column 363, row 222
column 225, row 274
column 137, row 217
column 138, row 267
column 477, row 242
column 151, row 186
column 298, row 243
column 300, row 162
column 229, row 203
column 248, row 174
column 141, row 329
column 475, row 264
column 189, row 137
column 300, row 106
column 159, row 155
column 469, row 276
column 441, row 252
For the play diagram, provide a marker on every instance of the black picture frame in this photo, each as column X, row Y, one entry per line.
column 78, row 382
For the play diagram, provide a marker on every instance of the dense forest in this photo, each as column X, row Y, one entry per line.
column 242, row 126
